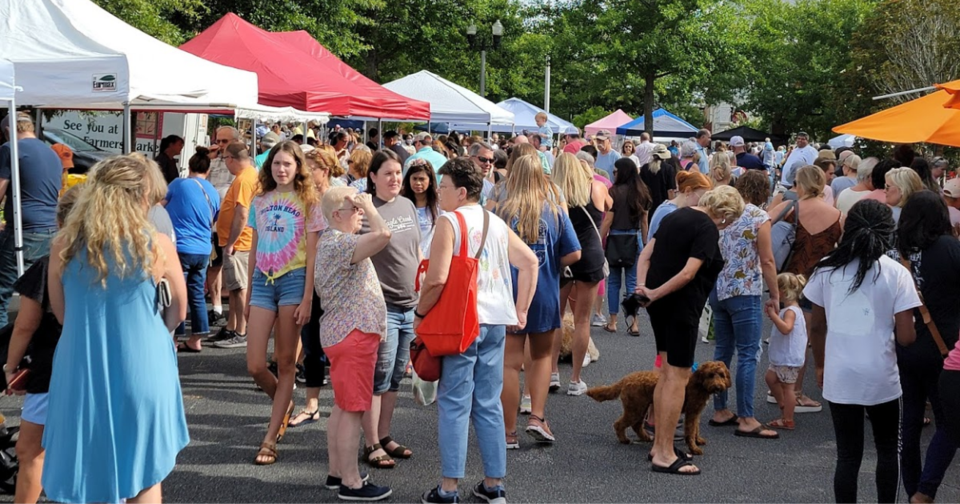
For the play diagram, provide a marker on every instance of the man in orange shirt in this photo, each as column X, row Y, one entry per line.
column 236, row 239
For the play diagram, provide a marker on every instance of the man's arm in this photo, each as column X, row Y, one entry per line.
column 240, row 215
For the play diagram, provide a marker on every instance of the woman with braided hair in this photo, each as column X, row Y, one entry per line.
column 860, row 296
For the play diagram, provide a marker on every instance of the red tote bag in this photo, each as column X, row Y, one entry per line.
column 452, row 324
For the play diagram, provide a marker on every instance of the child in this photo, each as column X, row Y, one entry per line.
column 286, row 221
column 788, row 347
column 544, row 132
column 420, row 187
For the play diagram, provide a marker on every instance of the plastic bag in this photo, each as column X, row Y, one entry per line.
column 705, row 321
column 424, row 392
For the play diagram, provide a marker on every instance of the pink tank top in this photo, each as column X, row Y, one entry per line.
column 952, row 362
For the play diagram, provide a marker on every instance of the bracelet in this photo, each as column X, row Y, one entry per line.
column 6, row 370
column 417, row 314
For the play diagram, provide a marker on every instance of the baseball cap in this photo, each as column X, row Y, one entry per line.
column 603, row 135
column 65, row 153
column 21, row 117
column 736, row 141
column 952, row 188
column 661, row 151
column 270, row 140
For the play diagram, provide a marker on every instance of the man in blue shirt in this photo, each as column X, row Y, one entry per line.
column 40, row 180
column 423, row 142
column 744, row 158
column 606, row 156
column 703, row 141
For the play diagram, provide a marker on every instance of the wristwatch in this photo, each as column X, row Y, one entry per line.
column 6, row 370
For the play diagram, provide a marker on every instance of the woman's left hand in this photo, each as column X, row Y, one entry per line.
column 302, row 313
column 10, row 376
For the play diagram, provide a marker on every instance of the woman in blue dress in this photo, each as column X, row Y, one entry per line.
column 115, row 419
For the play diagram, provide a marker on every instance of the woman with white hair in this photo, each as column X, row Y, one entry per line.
column 687, row 150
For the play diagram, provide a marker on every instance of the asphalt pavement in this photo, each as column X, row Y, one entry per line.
column 227, row 416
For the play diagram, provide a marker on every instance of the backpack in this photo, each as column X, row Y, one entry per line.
column 783, row 234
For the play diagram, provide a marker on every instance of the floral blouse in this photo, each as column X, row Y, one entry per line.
column 741, row 275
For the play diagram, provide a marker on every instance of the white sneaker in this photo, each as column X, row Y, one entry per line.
column 554, row 382
column 586, row 359
column 598, row 320
column 525, row 406
column 576, row 388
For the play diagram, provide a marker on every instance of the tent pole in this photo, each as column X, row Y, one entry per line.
column 380, row 133
column 15, row 189
column 127, row 134
column 305, row 126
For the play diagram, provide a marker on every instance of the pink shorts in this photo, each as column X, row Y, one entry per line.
column 352, row 365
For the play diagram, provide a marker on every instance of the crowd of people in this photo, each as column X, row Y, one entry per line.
column 340, row 250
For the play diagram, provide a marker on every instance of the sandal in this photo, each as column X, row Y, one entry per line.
column 675, row 467
column 267, row 454
column 308, row 418
column 285, row 422
column 682, row 455
column 734, row 420
column 513, row 441
column 782, row 423
column 756, row 433
column 807, row 405
column 610, row 329
column 183, row 347
column 400, row 452
column 381, row 462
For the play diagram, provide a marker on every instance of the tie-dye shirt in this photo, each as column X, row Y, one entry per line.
column 282, row 226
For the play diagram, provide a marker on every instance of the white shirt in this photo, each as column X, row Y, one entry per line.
column 220, row 176
column 798, row 157
column 860, row 364
column 495, row 303
column 789, row 349
column 644, row 153
column 848, row 198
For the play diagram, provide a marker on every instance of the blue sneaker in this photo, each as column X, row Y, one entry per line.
column 495, row 495
column 366, row 493
column 434, row 497
column 333, row 483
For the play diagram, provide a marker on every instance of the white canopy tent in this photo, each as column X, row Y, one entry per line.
column 450, row 102
column 8, row 91
column 524, row 119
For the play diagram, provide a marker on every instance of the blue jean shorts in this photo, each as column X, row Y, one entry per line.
column 394, row 350
column 286, row 290
column 35, row 409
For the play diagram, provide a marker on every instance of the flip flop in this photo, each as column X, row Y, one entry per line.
column 312, row 416
column 183, row 347
column 609, row 329
column 755, row 433
column 681, row 455
column 734, row 420
column 674, row 468
column 633, row 333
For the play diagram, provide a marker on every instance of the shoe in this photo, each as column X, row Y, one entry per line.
column 771, row 399
column 538, row 429
column 586, row 359
column 598, row 320
column 434, row 497
column 554, row 382
column 222, row 335
column 495, row 495
column 576, row 389
column 807, row 409
column 513, row 441
column 368, row 492
column 525, row 406
column 237, row 341
column 333, row 483
column 301, row 374
column 704, row 339
column 216, row 319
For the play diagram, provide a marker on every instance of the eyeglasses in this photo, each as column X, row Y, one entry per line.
column 484, row 160
column 223, row 141
column 351, row 209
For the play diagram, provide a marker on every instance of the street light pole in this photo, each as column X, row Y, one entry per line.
column 483, row 73
column 481, row 44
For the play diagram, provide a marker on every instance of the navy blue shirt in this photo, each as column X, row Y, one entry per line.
column 193, row 211
column 41, row 176
column 749, row 161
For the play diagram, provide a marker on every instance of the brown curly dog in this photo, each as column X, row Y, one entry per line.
column 636, row 393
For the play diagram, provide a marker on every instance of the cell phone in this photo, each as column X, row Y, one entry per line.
column 19, row 380
column 642, row 298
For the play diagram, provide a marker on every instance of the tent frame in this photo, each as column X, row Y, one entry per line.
column 15, row 173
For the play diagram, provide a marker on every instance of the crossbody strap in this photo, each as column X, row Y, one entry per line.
column 594, row 224
column 925, row 313
column 205, row 195
column 483, row 237
column 463, row 233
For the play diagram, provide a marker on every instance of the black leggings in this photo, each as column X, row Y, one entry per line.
column 314, row 368
column 848, row 428
column 950, row 402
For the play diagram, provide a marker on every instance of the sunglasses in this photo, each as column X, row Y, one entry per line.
column 484, row 159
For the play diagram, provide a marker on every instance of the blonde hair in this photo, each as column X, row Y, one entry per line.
column 689, row 181
column 720, row 165
column 158, row 184
column 723, row 202
column 324, row 158
column 573, row 179
column 360, row 161
column 790, row 286
column 66, row 203
column 541, row 115
column 528, row 190
column 110, row 217
column 812, row 179
column 907, row 181
column 333, row 200
column 518, row 151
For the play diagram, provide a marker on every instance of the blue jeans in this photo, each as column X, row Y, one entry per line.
column 35, row 246
column 629, row 276
column 470, row 386
column 737, row 324
column 394, row 351
column 195, row 273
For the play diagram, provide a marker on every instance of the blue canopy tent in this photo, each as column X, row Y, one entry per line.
column 524, row 114
column 665, row 124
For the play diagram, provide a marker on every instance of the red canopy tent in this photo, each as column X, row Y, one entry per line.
column 291, row 76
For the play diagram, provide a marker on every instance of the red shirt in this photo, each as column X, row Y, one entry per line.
column 573, row 147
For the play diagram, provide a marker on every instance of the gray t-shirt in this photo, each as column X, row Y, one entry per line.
column 839, row 184
column 158, row 216
column 397, row 264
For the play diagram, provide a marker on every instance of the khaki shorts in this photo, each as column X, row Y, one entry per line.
column 235, row 271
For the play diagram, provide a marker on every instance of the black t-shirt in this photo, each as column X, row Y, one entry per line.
column 938, row 271
column 33, row 285
column 749, row 161
column 168, row 167
column 683, row 234
column 659, row 183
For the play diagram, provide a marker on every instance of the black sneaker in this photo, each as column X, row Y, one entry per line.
column 222, row 335
column 434, row 497
column 301, row 374
column 367, row 493
column 216, row 319
column 333, row 483
column 495, row 496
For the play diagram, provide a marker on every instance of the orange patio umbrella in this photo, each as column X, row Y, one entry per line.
column 929, row 119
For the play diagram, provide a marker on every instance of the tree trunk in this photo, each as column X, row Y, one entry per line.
column 648, row 81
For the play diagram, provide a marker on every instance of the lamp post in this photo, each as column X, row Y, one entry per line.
column 481, row 44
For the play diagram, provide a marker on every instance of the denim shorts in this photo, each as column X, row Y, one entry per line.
column 286, row 290
column 35, row 408
column 394, row 350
